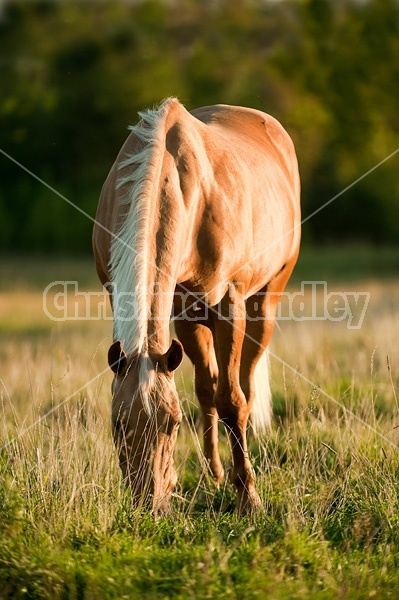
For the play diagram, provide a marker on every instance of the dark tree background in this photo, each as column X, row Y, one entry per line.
column 74, row 74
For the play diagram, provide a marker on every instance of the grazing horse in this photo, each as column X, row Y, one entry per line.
column 198, row 219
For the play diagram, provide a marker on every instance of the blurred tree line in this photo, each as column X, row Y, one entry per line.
column 73, row 75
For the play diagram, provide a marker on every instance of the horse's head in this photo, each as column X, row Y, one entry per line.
column 145, row 417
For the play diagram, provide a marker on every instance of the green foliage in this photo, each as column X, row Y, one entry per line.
column 73, row 77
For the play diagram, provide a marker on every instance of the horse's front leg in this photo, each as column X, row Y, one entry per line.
column 198, row 345
column 230, row 400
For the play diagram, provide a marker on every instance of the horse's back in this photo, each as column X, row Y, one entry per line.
column 253, row 128
column 257, row 193
column 236, row 171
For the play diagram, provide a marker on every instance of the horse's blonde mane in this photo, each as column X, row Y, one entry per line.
column 129, row 250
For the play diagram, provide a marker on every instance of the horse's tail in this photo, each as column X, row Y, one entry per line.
column 261, row 415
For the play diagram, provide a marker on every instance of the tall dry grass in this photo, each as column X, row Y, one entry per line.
column 327, row 473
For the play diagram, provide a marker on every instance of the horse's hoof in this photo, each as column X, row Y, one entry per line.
column 162, row 508
column 248, row 502
column 218, row 477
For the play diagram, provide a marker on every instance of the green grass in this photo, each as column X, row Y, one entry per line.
column 332, row 263
column 347, row 263
column 328, row 474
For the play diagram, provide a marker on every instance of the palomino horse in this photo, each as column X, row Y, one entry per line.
column 199, row 217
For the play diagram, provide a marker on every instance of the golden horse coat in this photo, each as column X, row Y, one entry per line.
column 199, row 217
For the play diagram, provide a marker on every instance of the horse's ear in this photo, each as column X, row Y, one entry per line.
column 172, row 357
column 117, row 358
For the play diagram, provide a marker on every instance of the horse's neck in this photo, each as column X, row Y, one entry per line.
column 163, row 187
column 160, row 308
column 167, row 241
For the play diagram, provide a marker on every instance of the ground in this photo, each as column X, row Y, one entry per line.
column 327, row 473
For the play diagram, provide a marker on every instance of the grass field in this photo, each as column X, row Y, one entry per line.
column 328, row 474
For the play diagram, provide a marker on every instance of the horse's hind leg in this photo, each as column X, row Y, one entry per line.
column 261, row 313
column 198, row 345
